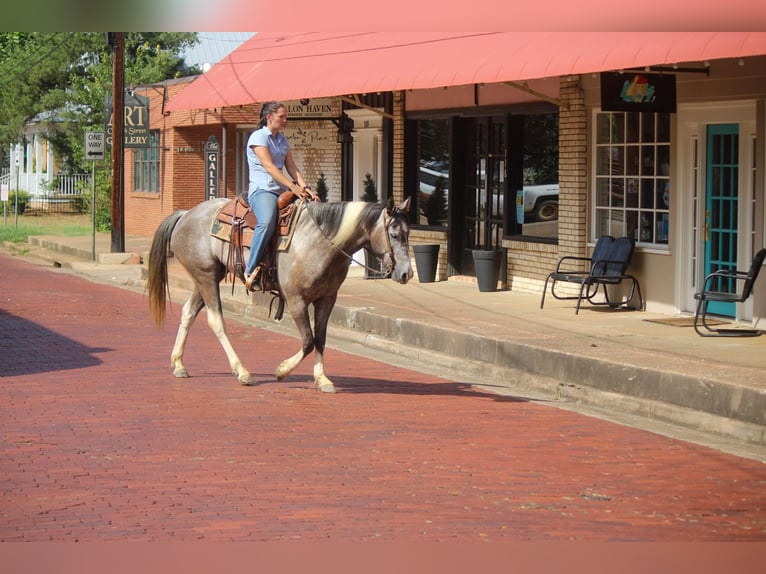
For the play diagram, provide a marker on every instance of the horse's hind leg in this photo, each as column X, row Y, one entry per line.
column 216, row 324
column 189, row 312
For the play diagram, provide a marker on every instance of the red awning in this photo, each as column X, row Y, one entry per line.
column 274, row 66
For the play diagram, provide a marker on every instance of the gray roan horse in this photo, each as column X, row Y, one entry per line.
column 310, row 271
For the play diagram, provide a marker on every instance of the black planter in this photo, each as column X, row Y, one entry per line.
column 426, row 261
column 487, row 266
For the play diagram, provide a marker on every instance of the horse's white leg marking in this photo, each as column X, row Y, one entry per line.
column 287, row 366
column 322, row 309
column 215, row 322
column 300, row 313
column 188, row 313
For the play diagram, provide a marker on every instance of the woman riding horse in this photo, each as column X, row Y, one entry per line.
column 310, row 271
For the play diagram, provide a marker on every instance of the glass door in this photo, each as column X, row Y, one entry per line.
column 722, row 209
column 484, row 188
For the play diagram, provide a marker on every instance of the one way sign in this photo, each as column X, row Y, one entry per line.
column 95, row 144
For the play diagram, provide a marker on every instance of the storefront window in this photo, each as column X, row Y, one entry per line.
column 632, row 171
column 538, row 210
column 146, row 165
column 433, row 172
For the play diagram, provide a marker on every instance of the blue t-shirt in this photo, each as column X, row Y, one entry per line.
column 278, row 148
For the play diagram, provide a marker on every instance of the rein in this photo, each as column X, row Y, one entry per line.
column 386, row 223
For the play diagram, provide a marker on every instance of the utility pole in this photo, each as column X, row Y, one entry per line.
column 118, row 156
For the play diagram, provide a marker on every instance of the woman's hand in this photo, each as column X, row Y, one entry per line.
column 305, row 193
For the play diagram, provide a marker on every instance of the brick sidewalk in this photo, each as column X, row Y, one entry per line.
column 100, row 442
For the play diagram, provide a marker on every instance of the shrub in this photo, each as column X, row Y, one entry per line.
column 23, row 200
column 370, row 191
column 321, row 189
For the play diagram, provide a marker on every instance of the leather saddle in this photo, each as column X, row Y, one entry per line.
column 234, row 224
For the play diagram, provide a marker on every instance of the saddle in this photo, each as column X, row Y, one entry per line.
column 234, row 224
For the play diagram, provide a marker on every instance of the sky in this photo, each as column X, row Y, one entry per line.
column 213, row 46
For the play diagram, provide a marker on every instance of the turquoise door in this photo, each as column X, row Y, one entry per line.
column 722, row 208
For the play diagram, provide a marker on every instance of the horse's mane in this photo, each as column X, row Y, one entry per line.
column 340, row 221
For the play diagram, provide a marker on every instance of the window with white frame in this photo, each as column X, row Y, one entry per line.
column 632, row 173
column 146, row 165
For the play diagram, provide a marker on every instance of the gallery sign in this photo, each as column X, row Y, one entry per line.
column 212, row 151
column 135, row 122
column 638, row 92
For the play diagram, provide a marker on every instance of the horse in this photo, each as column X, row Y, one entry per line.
column 309, row 272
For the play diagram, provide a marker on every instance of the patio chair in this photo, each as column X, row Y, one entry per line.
column 607, row 266
column 726, row 277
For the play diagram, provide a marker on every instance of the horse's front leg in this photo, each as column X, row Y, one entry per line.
column 322, row 309
column 189, row 312
column 300, row 314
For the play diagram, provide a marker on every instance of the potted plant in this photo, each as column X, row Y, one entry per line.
column 321, row 189
column 487, row 261
column 371, row 261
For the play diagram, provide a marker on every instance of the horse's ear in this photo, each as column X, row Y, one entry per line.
column 390, row 205
column 405, row 206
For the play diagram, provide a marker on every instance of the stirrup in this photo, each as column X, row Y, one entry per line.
column 250, row 281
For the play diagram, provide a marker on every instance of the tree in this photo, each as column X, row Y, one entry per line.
column 321, row 189
column 63, row 78
column 370, row 191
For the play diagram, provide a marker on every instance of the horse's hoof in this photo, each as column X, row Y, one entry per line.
column 326, row 387
column 181, row 374
column 246, row 380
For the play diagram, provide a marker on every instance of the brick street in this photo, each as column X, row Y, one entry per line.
column 99, row 441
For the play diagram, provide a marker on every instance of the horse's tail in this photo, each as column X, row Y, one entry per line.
column 157, row 283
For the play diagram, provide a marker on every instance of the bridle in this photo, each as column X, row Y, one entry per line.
column 387, row 222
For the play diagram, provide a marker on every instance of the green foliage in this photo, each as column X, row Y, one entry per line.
column 61, row 79
column 18, row 199
column 435, row 208
column 321, row 188
column 370, row 191
column 541, row 149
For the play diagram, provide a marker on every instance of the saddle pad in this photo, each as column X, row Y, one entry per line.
column 222, row 230
column 221, row 225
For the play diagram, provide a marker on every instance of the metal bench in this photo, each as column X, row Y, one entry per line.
column 722, row 286
column 607, row 266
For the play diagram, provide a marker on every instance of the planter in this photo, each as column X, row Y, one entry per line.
column 487, row 266
column 426, row 261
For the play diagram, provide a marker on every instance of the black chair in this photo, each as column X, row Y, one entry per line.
column 719, row 279
column 608, row 265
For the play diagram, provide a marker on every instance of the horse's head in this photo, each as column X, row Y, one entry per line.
column 390, row 238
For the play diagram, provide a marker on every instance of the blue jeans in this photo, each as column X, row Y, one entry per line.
column 264, row 204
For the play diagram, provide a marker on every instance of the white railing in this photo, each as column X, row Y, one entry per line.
column 39, row 185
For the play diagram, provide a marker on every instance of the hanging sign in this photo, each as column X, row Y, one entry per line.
column 638, row 92
column 135, row 122
column 310, row 108
column 212, row 151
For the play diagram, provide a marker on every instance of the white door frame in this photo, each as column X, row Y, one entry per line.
column 693, row 120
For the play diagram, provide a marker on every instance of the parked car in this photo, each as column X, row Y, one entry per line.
column 541, row 202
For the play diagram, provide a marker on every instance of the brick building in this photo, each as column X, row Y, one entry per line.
column 480, row 146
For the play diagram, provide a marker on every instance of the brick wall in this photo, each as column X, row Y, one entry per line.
column 183, row 135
